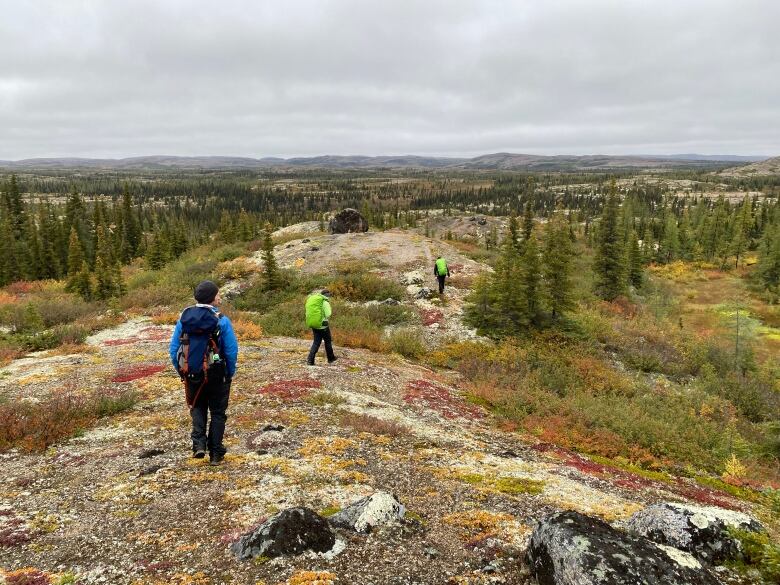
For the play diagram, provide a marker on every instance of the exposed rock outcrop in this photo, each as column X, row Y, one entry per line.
column 377, row 509
column 348, row 221
column 290, row 532
column 568, row 548
column 699, row 530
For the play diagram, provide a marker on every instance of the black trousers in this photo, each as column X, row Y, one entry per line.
column 441, row 278
column 214, row 399
column 321, row 335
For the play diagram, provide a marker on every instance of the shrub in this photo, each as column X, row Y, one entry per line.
column 407, row 341
column 362, row 287
column 235, row 269
column 365, row 423
column 163, row 294
column 33, row 427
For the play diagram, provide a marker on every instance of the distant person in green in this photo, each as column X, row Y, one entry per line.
column 441, row 271
column 318, row 313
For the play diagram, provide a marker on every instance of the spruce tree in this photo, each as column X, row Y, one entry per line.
column 272, row 279
column 530, row 272
column 528, row 221
column 768, row 269
column 75, row 258
column 743, row 224
column 635, row 261
column 609, row 263
column 82, row 282
column 558, row 253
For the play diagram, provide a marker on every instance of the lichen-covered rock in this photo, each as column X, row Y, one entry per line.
column 413, row 277
column 568, row 548
column 348, row 221
column 290, row 532
column 419, row 292
column 377, row 509
column 700, row 530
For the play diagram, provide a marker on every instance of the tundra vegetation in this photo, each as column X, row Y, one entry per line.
column 633, row 318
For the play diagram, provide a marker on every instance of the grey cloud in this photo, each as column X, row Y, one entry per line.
column 117, row 78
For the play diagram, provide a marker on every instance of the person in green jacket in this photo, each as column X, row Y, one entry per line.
column 441, row 271
column 318, row 313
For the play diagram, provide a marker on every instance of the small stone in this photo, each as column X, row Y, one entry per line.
column 314, row 249
column 150, row 453
column 150, row 470
column 378, row 509
column 305, row 240
column 272, row 427
column 431, row 552
column 390, row 301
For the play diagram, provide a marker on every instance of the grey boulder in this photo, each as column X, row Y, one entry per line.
column 378, row 509
column 290, row 532
column 568, row 548
column 699, row 530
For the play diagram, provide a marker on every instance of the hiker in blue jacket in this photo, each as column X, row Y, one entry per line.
column 204, row 350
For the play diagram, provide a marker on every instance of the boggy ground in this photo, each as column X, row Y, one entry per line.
column 124, row 502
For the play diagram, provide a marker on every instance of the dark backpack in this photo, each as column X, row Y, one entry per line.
column 198, row 358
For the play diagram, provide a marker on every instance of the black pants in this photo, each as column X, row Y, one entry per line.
column 321, row 335
column 441, row 278
column 213, row 398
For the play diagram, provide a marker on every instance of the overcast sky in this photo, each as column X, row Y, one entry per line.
column 287, row 78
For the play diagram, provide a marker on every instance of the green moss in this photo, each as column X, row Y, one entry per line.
column 504, row 485
column 329, row 511
column 635, row 469
column 758, row 552
column 742, row 493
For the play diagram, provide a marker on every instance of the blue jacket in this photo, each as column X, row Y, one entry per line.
column 229, row 349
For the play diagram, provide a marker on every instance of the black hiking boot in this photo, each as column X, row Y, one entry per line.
column 198, row 452
column 333, row 360
column 216, row 459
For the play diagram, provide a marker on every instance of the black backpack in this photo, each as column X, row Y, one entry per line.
column 198, row 358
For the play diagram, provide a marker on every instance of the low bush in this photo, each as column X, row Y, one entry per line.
column 407, row 342
column 361, row 287
column 235, row 269
column 364, row 423
column 32, row 427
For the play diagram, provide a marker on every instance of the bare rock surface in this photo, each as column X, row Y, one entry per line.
column 569, row 548
column 378, row 509
column 290, row 532
column 699, row 530
column 320, row 438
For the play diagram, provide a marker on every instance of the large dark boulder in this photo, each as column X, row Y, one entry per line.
column 348, row 221
column 699, row 530
column 290, row 532
column 568, row 548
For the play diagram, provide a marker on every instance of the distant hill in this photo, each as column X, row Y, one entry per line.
column 770, row 166
column 496, row 161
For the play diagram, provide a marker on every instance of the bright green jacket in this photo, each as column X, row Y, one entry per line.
column 318, row 311
column 441, row 267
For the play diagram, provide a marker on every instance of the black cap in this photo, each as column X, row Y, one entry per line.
column 325, row 292
column 206, row 292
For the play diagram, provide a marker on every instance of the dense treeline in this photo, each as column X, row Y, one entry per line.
column 160, row 215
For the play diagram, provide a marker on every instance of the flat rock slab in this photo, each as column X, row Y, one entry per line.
column 367, row 513
column 290, row 532
column 699, row 530
column 568, row 548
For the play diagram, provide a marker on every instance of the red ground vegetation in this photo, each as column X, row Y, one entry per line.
column 290, row 389
column 439, row 399
column 136, row 372
column 431, row 316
